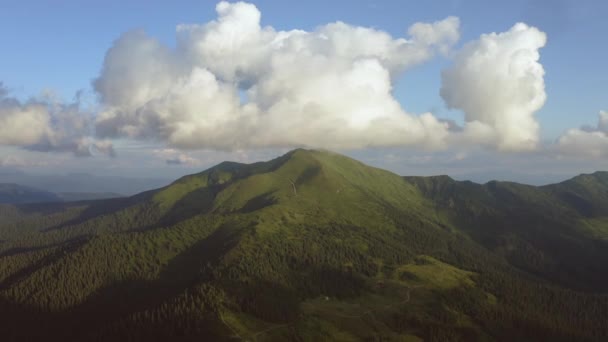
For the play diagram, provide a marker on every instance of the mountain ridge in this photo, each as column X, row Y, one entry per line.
column 15, row 193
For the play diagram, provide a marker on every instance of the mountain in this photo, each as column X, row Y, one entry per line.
column 86, row 196
column 513, row 176
column 558, row 232
column 311, row 246
column 13, row 193
column 82, row 182
column 19, row 194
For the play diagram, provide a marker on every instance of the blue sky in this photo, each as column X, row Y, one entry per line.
column 61, row 45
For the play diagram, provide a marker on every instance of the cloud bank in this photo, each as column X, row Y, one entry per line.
column 45, row 125
column 590, row 142
column 175, row 157
column 232, row 84
column 498, row 82
column 17, row 161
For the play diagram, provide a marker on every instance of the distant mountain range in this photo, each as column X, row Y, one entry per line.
column 19, row 194
column 81, row 182
column 312, row 246
column 13, row 193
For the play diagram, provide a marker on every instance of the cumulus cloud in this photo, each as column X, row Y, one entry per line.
column 175, row 157
column 498, row 82
column 46, row 125
column 232, row 84
column 22, row 124
column 589, row 142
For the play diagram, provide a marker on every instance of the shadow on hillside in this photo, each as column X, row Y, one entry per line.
column 201, row 201
column 308, row 174
column 26, row 323
column 66, row 248
column 19, row 250
column 182, row 272
column 579, row 203
column 117, row 301
column 197, row 202
column 98, row 208
column 258, row 202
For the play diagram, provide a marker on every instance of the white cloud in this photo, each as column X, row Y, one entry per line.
column 45, row 125
column 498, row 82
column 22, row 124
column 331, row 87
column 232, row 85
column 443, row 34
column 174, row 157
column 587, row 142
column 602, row 124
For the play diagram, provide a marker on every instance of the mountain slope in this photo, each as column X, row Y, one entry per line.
column 309, row 246
column 587, row 193
column 556, row 231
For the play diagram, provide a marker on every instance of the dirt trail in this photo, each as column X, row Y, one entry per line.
column 236, row 334
column 255, row 336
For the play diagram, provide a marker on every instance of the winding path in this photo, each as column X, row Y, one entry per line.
column 236, row 334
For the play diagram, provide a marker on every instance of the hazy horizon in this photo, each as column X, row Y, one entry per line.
column 132, row 183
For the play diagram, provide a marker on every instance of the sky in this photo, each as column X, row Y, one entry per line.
column 514, row 90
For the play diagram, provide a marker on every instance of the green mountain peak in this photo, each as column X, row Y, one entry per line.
column 312, row 245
